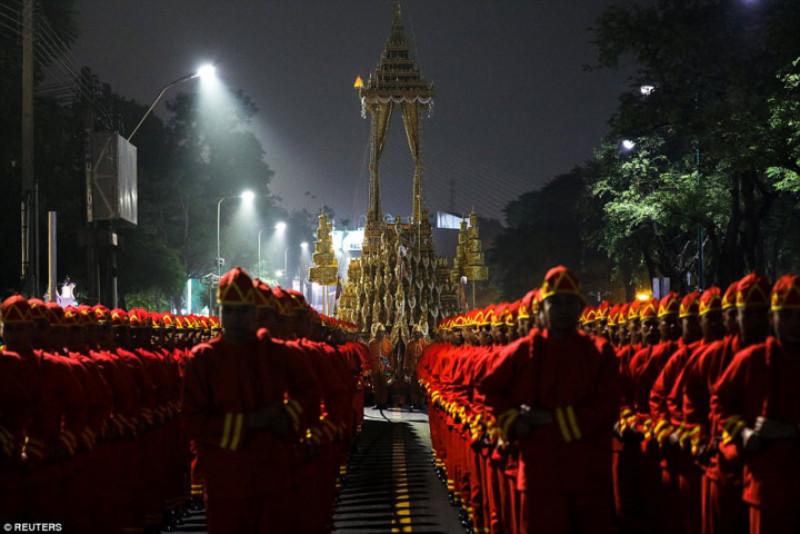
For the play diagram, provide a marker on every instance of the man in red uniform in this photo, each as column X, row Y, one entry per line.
column 233, row 409
column 567, row 394
column 57, row 416
column 756, row 404
column 413, row 353
column 380, row 349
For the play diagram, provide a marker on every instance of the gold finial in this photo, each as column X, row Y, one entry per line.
column 359, row 83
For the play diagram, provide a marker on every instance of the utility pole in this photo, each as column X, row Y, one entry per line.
column 29, row 279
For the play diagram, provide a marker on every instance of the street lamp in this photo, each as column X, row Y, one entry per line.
column 247, row 196
column 280, row 226
column 206, row 71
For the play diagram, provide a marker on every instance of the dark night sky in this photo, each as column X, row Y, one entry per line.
column 513, row 107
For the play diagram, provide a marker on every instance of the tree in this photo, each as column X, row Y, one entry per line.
column 653, row 201
column 546, row 228
column 711, row 67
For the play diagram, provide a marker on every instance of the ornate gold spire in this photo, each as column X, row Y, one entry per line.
column 476, row 270
column 398, row 280
column 326, row 267
column 397, row 24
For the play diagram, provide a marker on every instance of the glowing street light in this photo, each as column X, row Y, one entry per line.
column 205, row 72
column 246, row 196
column 628, row 144
column 280, row 226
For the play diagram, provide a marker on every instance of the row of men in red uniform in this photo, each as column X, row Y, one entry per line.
column 88, row 416
column 707, row 435
column 708, row 431
column 273, row 406
column 89, row 413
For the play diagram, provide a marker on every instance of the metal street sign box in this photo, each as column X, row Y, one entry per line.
column 111, row 194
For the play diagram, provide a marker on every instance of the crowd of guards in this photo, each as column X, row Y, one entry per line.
column 677, row 414
column 107, row 426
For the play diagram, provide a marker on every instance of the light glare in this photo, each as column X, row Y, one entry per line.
column 207, row 71
column 304, row 245
column 281, row 226
column 627, row 144
column 248, row 196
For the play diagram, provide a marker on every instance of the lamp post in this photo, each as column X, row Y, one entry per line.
column 303, row 246
column 246, row 196
column 280, row 226
column 204, row 71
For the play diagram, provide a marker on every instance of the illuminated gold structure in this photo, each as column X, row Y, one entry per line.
column 398, row 280
column 325, row 270
column 469, row 260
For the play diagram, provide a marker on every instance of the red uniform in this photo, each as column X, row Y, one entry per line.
column 761, row 381
column 414, row 351
column 381, row 356
column 564, row 467
column 245, row 470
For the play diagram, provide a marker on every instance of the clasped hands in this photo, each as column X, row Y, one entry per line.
column 271, row 417
column 766, row 430
column 531, row 418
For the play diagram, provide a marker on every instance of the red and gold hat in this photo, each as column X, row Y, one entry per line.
column 710, row 300
column 526, row 304
column 72, row 316
column 168, row 320
column 38, row 309
column 157, row 320
column 15, row 310
column 690, row 305
column 753, row 291
column 55, row 314
column 560, row 281
column 510, row 316
column 669, row 305
column 648, row 308
column 236, row 289
column 297, row 296
column 622, row 316
column 101, row 314
column 633, row 309
column 786, row 293
column 602, row 310
column 264, row 296
column 459, row 321
column 86, row 315
column 135, row 318
column 613, row 315
column 283, row 306
column 214, row 323
column 729, row 298
column 498, row 314
column 119, row 317
column 590, row 314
